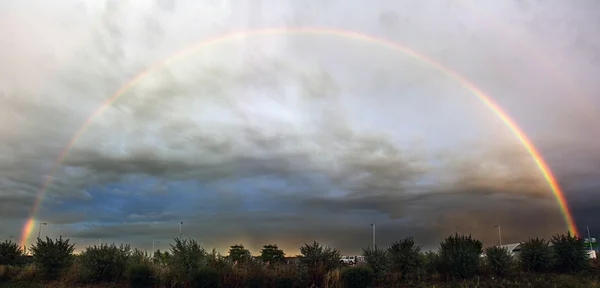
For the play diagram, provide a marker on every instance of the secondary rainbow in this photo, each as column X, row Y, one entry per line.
column 485, row 99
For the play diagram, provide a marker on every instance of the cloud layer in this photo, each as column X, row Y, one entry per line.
column 288, row 139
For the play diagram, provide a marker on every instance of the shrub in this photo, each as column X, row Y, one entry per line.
column 316, row 254
column 377, row 259
column 187, row 256
column 139, row 257
column 459, row 255
column 104, row 262
column 316, row 260
column 10, row 253
column 205, row 278
column 52, row 257
column 405, row 256
column 358, row 277
column 216, row 260
column 535, row 255
column 141, row 275
column 570, row 253
column 237, row 253
column 431, row 262
column 272, row 254
column 498, row 260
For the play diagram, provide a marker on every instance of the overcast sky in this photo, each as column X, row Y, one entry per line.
column 287, row 138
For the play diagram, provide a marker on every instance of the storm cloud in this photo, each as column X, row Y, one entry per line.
column 289, row 138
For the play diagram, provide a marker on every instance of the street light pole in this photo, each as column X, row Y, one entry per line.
column 499, row 234
column 589, row 237
column 40, row 229
column 373, row 225
column 180, row 224
column 153, row 250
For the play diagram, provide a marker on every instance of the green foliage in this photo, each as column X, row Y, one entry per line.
column 460, row 256
column 405, row 256
column 536, row 255
column 239, row 253
column 498, row 260
column 187, row 256
column 161, row 258
column 316, row 260
column 139, row 257
column 52, row 257
column 141, row 276
column 10, row 253
column 570, row 253
column 272, row 254
column 205, row 278
column 358, row 277
column 104, row 263
column 378, row 259
column 431, row 262
column 216, row 260
column 316, row 254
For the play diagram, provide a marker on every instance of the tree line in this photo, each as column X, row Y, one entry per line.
column 459, row 258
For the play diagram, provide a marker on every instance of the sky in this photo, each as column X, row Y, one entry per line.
column 292, row 138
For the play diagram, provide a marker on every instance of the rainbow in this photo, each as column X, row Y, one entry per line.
column 485, row 99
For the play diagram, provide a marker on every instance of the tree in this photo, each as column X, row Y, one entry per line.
column 10, row 253
column 316, row 261
column 459, row 255
column 52, row 257
column 104, row 262
column 405, row 256
column 570, row 253
column 187, row 256
column 239, row 253
column 378, row 259
column 498, row 260
column 536, row 255
column 272, row 253
column 316, row 254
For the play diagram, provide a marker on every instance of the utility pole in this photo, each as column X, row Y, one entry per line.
column 589, row 237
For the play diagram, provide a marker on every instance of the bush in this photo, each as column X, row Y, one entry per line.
column 570, row 253
column 316, row 261
column 10, row 253
column 431, row 262
column 459, row 256
column 205, row 278
column 357, row 277
column 187, row 256
column 237, row 253
column 104, row 263
column 498, row 260
column 377, row 259
column 52, row 258
column 405, row 257
column 141, row 275
column 272, row 254
column 535, row 255
column 139, row 257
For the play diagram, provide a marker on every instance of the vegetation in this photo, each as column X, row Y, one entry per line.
column 52, row 258
column 459, row 262
column 10, row 253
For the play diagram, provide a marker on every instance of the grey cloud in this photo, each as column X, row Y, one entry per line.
column 296, row 107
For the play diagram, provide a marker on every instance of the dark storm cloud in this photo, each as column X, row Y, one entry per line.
column 300, row 139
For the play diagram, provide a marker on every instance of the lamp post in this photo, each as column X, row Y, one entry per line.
column 40, row 229
column 373, row 225
column 154, row 250
column 499, row 235
column 180, row 229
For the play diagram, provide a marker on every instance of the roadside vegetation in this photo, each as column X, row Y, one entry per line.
column 460, row 261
